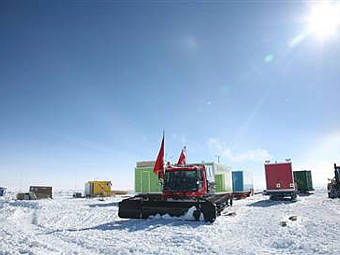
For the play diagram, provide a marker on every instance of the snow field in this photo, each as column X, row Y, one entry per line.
column 89, row 226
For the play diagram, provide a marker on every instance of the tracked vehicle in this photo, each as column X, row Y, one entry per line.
column 183, row 187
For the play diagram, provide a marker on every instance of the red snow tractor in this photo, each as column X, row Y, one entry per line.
column 184, row 187
column 334, row 184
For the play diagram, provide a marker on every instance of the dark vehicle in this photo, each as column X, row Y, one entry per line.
column 2, row 191
column 334, row 184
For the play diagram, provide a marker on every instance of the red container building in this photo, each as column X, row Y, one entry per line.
column 280, row 180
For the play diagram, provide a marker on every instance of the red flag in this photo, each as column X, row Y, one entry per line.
column 182, row 158
column 159, row 165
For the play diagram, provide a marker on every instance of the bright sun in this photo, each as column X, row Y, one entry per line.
column 324, row 20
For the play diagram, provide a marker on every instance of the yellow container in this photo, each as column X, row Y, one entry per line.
column 98, row 188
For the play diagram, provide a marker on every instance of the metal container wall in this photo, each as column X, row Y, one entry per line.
column 212, row 169
column 98, row 188
column 303, row 180
column 279, row 177
column 41, row 192
column 87, row 189
column 145, row 164
column 237, row 181
column 223, row 181
column 102, row 188
column 219, row 182
column 248, row 182
column 242, row 181
column 146, row 181
column 227, row 177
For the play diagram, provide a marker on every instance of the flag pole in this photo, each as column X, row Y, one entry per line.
column 163, row 173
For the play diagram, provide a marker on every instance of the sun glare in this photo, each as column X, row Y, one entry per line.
column 324, row 20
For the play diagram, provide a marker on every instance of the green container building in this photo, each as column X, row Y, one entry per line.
column 220, row 174
column 146, row 181
column 223, row 179
column 303, row 180
column 222, row 182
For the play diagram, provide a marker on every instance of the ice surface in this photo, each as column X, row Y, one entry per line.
column 89, row 226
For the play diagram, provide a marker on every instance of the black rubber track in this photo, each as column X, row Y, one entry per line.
column 138, row 208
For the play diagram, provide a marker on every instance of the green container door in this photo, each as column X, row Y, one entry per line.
column 138, row 181
column 228, row 182
column 146, row 181
column 219, row 182
column 146, row 185
column 309, row 180
column 155, row 185
column 303, row 179
column 223, row 182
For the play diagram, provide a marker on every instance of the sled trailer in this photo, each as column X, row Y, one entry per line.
column 280, row 180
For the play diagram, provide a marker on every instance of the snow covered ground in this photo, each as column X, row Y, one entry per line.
column 89, row 226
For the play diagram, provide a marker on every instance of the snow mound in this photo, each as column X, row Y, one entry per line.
column 188, row 216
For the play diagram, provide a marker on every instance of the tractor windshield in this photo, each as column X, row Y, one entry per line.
column 182, row 180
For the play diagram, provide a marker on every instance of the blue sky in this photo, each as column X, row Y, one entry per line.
column 86, row 88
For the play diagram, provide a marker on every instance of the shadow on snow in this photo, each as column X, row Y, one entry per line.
column 133, row 225
column 268, row 202
column 147, row 225
column 305, row 194
column 104, row 205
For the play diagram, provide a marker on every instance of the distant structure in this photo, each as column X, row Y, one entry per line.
column 2, row 191
column 98, row 189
